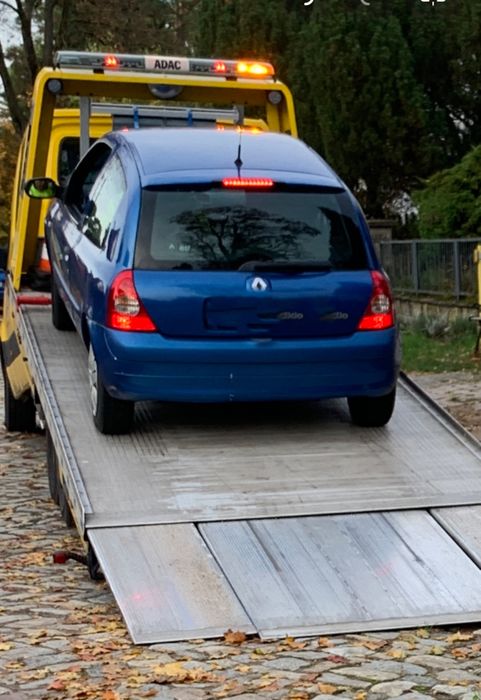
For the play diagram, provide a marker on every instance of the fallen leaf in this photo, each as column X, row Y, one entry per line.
column 437, row 651
column 6, row 646
column 459, row 637
column 231, row 637
column 372, row 644
column 361, row 695
column 396, row 653
column 110, row 695
column 136, row 681
column 37, row 675
column 265, row 680
column 227, row 689
column 422, row 633
column 323, row 642
column 290, row 643
column 37, row 637
column 335, row 659
column 461, row 652
column 57, row 685
column 243, row 668
column 328, row 689
column 174, row 672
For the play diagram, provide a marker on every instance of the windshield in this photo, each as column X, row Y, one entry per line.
column 219, row 229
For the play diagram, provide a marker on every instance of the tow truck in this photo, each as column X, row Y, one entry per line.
column 272, row 519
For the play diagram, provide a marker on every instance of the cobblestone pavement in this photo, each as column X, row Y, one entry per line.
column 61, row 635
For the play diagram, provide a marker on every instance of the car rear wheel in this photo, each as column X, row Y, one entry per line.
column 372, row 411
column 60, row 316
column 111, row 416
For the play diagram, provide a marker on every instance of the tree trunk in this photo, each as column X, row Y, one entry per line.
column 24, row 12
column 48, row 33
column 19, row 120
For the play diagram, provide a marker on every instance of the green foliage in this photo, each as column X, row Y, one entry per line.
column 430, row 344
column 381, row 91
column 9, row 143
column 450, row 205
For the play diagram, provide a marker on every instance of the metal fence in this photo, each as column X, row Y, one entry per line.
column 442, row 267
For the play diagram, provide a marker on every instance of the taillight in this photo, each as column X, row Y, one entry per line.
column 125, row 311
column 379, row 313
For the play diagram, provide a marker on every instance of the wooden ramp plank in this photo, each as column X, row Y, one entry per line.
column 167, row 584
column 346, row 573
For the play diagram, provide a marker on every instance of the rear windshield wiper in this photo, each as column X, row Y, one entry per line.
column 286, row 266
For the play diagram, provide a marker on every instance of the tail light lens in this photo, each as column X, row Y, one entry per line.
column 379, row 314
column 125, row 311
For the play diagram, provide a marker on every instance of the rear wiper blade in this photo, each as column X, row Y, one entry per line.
column 295, row 266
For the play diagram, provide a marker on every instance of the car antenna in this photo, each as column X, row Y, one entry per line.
column 238, row 161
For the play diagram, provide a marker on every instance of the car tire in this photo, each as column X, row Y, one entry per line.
column 372, row 411
column 19, row 413
column 60, row 316
column 111, row 416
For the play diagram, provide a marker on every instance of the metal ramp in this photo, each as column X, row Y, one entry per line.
column 270, row 518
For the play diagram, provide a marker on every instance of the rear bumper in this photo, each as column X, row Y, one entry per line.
column 145, row 366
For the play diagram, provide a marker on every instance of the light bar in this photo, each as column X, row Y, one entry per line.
column 247, row 182
column 100, row 62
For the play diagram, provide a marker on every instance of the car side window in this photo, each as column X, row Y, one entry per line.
column 104, row 200
column 84, row 176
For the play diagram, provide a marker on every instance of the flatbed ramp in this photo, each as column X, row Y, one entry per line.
column 276, row 519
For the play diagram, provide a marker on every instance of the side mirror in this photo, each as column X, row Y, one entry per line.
column 42, row 188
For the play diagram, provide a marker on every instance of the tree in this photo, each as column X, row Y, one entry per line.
column 9, row 143
column 388, row 93
column 450, row 204
column 48, row 25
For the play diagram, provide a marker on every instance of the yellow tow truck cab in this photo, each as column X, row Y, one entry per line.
column 111, row 91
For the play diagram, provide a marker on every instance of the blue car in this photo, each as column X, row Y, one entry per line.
column 218, row 266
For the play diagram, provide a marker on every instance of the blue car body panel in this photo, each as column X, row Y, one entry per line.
column 217, row 339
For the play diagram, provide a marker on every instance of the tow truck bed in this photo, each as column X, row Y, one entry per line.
column 269, row 518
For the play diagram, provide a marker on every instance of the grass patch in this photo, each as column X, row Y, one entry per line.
column 434, row 345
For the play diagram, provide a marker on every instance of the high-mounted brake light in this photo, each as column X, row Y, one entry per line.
column 125, row 311
column 247, row 182
column 379, row 314
column 86, row 60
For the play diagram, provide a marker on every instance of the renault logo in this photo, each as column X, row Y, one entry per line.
column 259, row 285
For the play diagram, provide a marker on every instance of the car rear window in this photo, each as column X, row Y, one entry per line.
column 221, row 229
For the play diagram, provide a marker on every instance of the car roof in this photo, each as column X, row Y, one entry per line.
column 196, row 155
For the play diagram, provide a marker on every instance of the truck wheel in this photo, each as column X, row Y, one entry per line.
column 52, row 469
column 60, row 316
column 111, row 416
column 64, row 506
column 93, row 565
column 372, row 411
column 19, row 413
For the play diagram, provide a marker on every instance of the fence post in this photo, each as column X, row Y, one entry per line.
column 414, row 265
column 457, row 270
